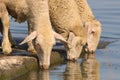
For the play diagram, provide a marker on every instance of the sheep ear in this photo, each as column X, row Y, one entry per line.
column 59, row 37
column 73, row 39
column 29, row 37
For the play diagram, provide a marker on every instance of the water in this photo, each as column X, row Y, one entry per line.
column 107, row 11
column 18, row 30
column 87, row 69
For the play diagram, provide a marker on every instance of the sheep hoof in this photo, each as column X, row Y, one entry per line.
column 7, row 53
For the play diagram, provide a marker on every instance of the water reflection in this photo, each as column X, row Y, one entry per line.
column 72, row 71
column 41, row 75
column 32, row 75
column 35, row 75
column 44, row 75
column 90, row 68
column 87, row 69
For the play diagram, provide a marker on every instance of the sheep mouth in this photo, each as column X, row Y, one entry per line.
column 86, row 49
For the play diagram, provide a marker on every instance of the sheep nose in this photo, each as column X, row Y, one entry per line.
column 88, row 50
column 91, row 51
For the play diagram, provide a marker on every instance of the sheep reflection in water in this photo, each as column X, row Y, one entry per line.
column 90, row 68
column 40, row 75
column 72, row 71
column 87, row 70
column 35, row 75
column 44, row 75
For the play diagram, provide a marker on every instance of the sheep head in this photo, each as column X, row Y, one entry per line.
column 43, row 44
column 74, row 48
column 93, row 35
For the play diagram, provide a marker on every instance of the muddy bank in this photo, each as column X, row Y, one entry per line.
column 21, row 61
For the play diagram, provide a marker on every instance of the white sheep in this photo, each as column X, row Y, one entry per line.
column 92, row 25
column 65, row 19
column 36, row 13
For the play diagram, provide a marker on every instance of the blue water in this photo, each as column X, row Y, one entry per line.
column 18, row 29
column 108, row 12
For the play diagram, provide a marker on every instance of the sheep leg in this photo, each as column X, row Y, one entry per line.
column 6, row 45
column 13, row 43
column 30, row 44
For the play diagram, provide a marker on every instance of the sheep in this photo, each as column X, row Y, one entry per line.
column 66, row 21
column 92, row 25
column 36, row 13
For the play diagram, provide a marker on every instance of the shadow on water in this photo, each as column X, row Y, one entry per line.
column 87, row 69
